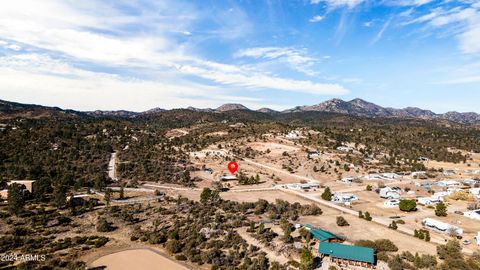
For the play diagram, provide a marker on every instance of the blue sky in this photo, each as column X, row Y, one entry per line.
column 136, row 55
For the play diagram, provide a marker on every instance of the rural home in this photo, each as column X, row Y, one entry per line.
column 429, row 200
column 345, row 255
column 392, row 203
column 344, row 197
column 344, row 148
column 27, row 183
column 390, row 193
column 442, row 226
column 475, row 214
column 448, row 183
column 292, row 135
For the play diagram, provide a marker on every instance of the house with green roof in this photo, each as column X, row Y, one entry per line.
column 322, row 235
column 348, row 255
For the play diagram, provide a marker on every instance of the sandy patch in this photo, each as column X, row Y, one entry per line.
column 144, row 259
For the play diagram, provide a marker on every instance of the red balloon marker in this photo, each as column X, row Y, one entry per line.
column 232, row 166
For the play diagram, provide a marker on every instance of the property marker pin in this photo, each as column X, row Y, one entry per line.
column 232, row 166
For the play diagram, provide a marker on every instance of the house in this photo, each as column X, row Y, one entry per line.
column 449, row 172
column 228, row 178
column 475, row 214
column 4, row 194
column 28, row 184
column 306, row 186
column 429, row 200
column 208, row 170
column 442, row 226
column 390, row 193
column 292, row 135
column 448, row 183
column 471, row 182
column 326, row 236
column 347, row 255
column 475, row 192
column 344, row 197
column 392, row 203
column 345, row 148
column 348, row 180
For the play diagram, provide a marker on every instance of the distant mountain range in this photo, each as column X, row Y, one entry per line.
column 355, row 107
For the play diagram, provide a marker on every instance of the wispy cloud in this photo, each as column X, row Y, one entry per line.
column 297, row 59
column 379, row 34
column 339, row 3
column 316, row 18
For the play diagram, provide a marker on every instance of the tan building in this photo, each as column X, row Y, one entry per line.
column 4, row 194
column 27, row 183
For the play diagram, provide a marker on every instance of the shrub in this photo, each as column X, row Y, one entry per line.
column 341, row 221
column 104, row 226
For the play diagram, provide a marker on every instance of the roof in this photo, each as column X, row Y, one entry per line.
column 322, row 235
column 352, row 253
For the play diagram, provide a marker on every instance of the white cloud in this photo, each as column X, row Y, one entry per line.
column 97, row 33
column 315, row 19
column 379, row 35
column 296, row 58
column 339, row 3
column 464, row 21
column 35, row 78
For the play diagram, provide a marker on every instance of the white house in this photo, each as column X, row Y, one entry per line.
column 449, row 172
column 475, row 214
column 390, row 193
column 292, row 135
column 475, row 192
column 471, row 182
column 429, row 200
column 305, row 186
column 348, row 180
column 441, row 226
column 344, row 197
column 392, row 203
column 345, row 148
column 448, row 183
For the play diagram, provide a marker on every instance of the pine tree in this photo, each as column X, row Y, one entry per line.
column 327, row 194
column 15, row 198
column 441, row 210
column 306, row 259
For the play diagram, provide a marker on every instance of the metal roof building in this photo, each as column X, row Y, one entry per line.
column 347, row 254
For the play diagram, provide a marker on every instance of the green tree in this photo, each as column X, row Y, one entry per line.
column 341, row 221
column 59, row 196
column 121, row 195
column 307, row 261
column 367, row 216
column 327, row 194
column 441, row 210
column 393, row 225
column 408, row 205
column 16, row 200
column 108, row 196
